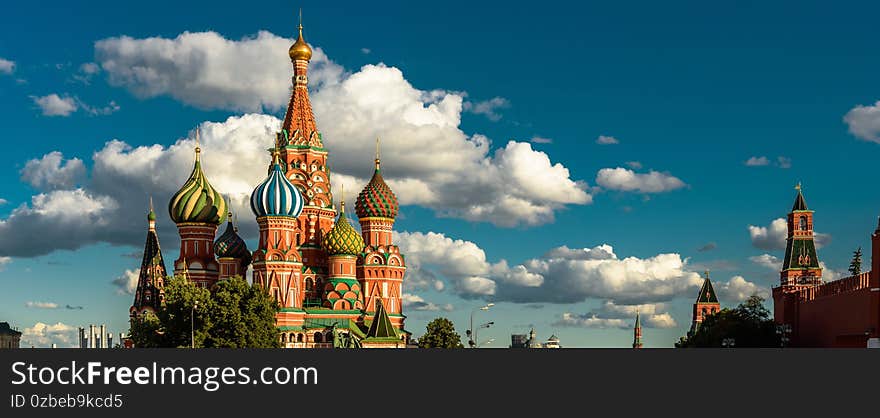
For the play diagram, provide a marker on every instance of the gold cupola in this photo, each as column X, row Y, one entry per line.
column 300, row 50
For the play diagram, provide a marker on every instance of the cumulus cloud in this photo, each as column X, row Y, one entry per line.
column 738, row 289
column 44, row 335
column 126, row 283
column 87, row 70
column 623, row 179
column 611, row 315
column 768, row 261
column 757, row 161
column 55, row 105
column 6, row 66
column 51, row 172
column 488, row 108
column 456, row 259
column 417, row 303
column 864, row 122
column 606, row 140
column 41, row 305
column 773, row 236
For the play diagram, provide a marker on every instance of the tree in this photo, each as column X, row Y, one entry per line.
column 440, row 333
column 749, row 325
column 243, row 316
column 855, row 266
column 234, row 315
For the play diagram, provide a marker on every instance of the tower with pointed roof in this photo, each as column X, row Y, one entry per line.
column 149, row 293
column 343, row 245
column 637, row 332
column 800, row 267
column 304, row 162
column 197, row 209
column 705, row 305
column 383, row 266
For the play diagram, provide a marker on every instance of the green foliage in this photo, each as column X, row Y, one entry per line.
column 235, row 315
column 855, row 266
column 749, row 325
column 440, row 333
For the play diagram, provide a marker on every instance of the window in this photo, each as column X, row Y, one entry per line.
column 803, row 226
column 319, row 338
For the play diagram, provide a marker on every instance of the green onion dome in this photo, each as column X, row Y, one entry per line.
column 343, row 239
column 197, row 201
column 231, row 245
column 376, row 200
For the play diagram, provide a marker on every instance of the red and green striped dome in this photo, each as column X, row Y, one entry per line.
column 376, row 200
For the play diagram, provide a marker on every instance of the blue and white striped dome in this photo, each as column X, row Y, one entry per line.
column 276, row 196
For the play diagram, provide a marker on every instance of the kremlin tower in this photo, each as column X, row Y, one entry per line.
column 637, row 332
column 705, row 305
column 335, row 285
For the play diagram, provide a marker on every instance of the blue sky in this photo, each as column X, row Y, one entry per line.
column 690, row 91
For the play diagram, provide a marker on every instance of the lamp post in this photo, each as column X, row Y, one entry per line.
column 192, row 328
column 784, row 333
column 471, row 332
column 728, row 342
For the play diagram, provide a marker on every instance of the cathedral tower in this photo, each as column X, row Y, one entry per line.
column 277, row 264
column 383, row 267
column 197, row 209
column 151, row 280
column 304, row 160
column 706, row 304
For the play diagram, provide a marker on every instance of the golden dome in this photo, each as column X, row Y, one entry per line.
column 300, row 49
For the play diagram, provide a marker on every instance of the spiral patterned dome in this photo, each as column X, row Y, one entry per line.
column 231, row 245
column 376, row 200
column 197, row 201
column 343, row 239
column 276, row 196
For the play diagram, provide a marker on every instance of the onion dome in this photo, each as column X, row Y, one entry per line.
column 343, row 239
column 300, row 50
column 197, row 201
column 376, row 200
column 231, row 245
column 276, row 196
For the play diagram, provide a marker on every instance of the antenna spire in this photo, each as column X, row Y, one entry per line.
column 342, row 197
column 198, row 147
column 377, row 153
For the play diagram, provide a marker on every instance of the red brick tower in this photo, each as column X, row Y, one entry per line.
column 637, row 332
column 706, row 304
column 382, row 266
column 197, row 209
column 304, row 161
column 800, row 267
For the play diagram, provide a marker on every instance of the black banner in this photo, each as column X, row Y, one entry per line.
column 169, row 383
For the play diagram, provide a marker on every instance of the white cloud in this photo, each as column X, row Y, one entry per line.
column 627, row 180
column 44, row 335
column 635, row 165
column 783, row 162
column 54, row 105
column 738, row 289
column 864, row 122
column 830, row 275
column 773, row 237
column 417, row 303
column 365, row 51
column 606, row 140
column 611, row 315
column 41, row 305
column 757, row 161
column 126, row 283
column 3, row 201
column 51, row 172
column 110, row 108
column 206, row 70
column 6, row 66
column 488, row 108
column 541, row 140
column 768, row 261
column 87, row 70
column 457, row 260
column 4, row 261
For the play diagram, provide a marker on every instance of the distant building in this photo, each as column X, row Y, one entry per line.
column 706, row 304
column 531, row 341
column 9, row 338
column 97, row 337
column 637, row 332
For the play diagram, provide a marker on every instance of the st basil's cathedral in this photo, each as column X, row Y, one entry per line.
column 329, row 279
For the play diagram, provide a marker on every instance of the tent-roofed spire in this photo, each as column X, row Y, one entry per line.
column 799, row 202
column 381, row 326
column 707, row 293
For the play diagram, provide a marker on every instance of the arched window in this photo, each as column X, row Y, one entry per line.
column 803, row 221
column 319, row 338
column 299, row 338
column 705, row 311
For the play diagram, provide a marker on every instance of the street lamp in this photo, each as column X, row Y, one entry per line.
column 728, row 343
column 472, row 333
column 488, row 342
column 784, row 332
column 192, row 329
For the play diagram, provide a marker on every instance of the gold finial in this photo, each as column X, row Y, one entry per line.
column 707, row 273
column 198, row 148
column 342, row 197
column 377, row 153
column 300, row 50
column 798, row 187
